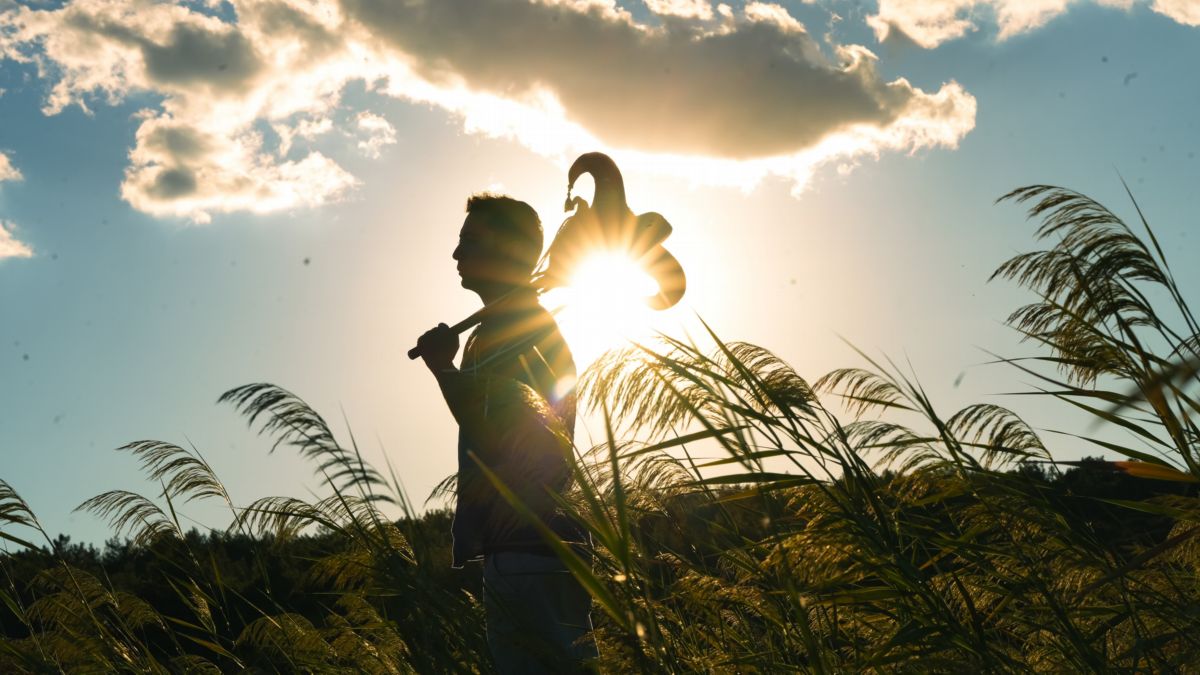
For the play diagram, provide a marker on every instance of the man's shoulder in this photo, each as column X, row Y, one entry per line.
column 547, row 346
column 531, row 332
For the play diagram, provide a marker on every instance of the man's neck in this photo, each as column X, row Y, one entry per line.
column 507, row 295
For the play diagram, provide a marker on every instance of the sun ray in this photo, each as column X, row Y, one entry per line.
column 604, row 306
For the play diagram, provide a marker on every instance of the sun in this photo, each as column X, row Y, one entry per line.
column 604, row 306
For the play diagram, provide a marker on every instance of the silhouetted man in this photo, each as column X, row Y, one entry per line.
column 513, row 398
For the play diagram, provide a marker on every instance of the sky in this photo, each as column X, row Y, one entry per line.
column 200, row 195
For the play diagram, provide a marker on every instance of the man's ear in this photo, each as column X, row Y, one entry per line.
column 511, row 252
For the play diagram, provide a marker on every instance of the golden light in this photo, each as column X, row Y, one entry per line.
column 604, row 306
column 611, row 281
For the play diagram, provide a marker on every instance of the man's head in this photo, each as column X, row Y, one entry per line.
column 499, row 245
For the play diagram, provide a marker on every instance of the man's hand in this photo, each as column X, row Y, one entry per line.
column 438, row 347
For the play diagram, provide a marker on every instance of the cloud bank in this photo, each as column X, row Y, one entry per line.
column 201, row 150
column 760, row 87
column 727, row 96
column 930, row 23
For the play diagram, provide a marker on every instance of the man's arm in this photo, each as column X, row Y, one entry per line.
column 519, row 432
column 465, row 392
column 491, row 408
column 438, row 347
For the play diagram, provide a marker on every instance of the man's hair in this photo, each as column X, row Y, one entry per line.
column 515, row 224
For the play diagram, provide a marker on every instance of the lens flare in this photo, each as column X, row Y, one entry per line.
column 607, row 280
column 604, row 306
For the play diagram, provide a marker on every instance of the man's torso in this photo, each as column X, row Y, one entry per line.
column 523, row 376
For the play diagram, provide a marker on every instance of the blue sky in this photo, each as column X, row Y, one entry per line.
column 195, row 197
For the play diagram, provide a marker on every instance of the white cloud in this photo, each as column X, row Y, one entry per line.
column 7, row 170
column 1186, row 12
column 200, row 151
column 305, row 129
column 686, row 9
column 929, row 23
column 777, row 15
column 932, row 22
column 373, row 132
column 1025, row 15
column 759, row 90
column 9, row 246
column 181, row 169
column 745, row 90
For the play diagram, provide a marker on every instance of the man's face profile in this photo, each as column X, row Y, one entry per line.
column 483, row 262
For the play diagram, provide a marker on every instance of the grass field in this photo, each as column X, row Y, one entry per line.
column 849, row 525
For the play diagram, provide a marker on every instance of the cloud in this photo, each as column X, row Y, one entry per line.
column 686, row 9
column 201, row 150
column 304, row 129
column 1186, row 12
column 930, row 23
column 776, row 15
column 182, row 168
column 373, row 132
column 758, row 89
column 7, row 170
column 242, row 93
column 9, row 246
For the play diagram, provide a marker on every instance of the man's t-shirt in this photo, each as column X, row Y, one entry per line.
column 518, row 419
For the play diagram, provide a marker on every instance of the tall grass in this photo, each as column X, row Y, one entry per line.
column 894, row 536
